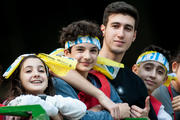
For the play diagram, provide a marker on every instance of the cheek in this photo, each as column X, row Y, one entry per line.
column 142, row 73
column 77, row 56
column 24, row 78
column 178, row 74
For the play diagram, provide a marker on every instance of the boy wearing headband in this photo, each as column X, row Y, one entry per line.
column 152, row 67
column 82, row 43
column 170, row 95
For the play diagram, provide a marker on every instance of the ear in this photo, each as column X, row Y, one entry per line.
column 66, row 52
column 135, row 68
column 103, row 29
column 174, row 67
column 134, row 36
column 165, row 79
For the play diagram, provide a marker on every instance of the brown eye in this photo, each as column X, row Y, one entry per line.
column 115, row 26
column 148, row 68
column 28, row 71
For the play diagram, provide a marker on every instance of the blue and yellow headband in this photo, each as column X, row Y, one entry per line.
column 84, row 39
column 155, row 56
column 14, row 65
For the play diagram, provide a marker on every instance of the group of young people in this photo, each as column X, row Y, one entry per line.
column 95, row 91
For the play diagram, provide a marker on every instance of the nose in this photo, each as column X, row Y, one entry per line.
column 36, row 73
column 120, row 32
column 153, row 73
column 87, row 55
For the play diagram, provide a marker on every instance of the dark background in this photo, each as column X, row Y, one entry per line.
column 33, row 26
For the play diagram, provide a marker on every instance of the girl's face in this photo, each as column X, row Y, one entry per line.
column 33, row 76
column 86, row 55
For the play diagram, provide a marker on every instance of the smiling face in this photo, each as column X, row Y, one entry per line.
column 152, row 73
column 119, row 33
column 33, row 76
column 86, row 55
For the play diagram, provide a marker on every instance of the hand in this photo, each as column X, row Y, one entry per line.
column 176, row 103
column 17, row 118
column 57, row 117
column 110, row 106
column 96, row 108
column 124, row 110
column 137, row 112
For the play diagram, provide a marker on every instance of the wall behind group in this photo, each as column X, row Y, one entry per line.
column 33, row 26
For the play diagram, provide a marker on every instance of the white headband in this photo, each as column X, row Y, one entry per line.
column 14, row 65
column 84, row 39
column 155, row 56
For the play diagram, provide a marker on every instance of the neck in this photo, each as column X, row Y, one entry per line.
column 110, row 55
column 176, row 86
column 84, row 74
column 149, row 92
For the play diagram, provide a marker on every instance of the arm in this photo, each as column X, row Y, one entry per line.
column 64, row 89
column 68, row 107
column 82, row 84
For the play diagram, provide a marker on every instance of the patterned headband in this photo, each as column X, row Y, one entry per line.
column 155, row 56
column 84, row 39
column 14, row 65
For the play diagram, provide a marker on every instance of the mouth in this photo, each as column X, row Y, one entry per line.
column 119, row 42
column 36, row 81
column 86, row 63
column 150, row 82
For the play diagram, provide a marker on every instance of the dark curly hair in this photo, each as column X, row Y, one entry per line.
column 83, row 28
column 17, row 89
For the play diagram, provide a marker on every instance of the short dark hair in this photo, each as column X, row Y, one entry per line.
column 83, row 28
column 122, row 8
column 175, row 58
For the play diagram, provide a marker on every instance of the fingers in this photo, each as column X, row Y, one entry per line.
column 147, row 103
column 136, row 112
column 124, row 110
column 115, row 112
column 176, row 99
column 176, row 103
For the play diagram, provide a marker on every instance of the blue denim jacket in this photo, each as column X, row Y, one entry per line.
column 64, row 89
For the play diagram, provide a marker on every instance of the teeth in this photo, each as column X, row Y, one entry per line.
column 36, row 81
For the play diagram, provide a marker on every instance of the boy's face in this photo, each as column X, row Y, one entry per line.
column 152, row 73
column 33, row 76
column 176, row 69
column 119, row 33
column 86, row 55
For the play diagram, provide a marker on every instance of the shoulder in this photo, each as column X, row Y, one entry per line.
column 126, row 76
column 161, row 91
column 63, row 88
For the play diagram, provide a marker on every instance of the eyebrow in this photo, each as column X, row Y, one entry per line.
column 29, row 66
column 157, row 66
column 95, row 47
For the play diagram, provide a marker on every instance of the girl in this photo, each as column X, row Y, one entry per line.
column 31, row 80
